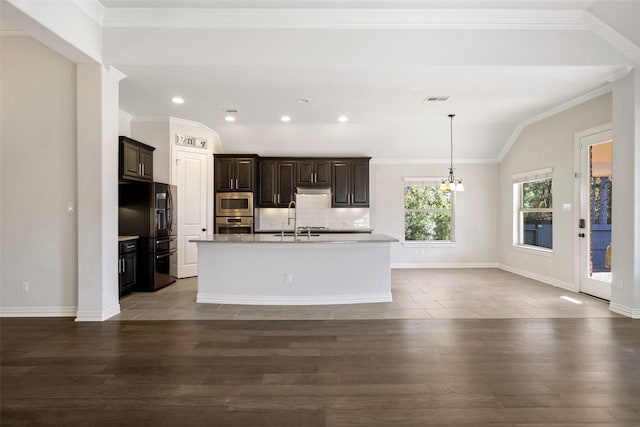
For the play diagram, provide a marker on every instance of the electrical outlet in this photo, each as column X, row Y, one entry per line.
column 24, row 286
column 288, row 278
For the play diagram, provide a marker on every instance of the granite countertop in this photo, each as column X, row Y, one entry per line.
column 323, row 230
column 302, row 238
column 125, row 238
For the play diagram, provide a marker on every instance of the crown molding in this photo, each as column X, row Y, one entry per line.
column 412, row 161
column 93, row 9
column 617, row 40
column 12, row 32
column 256, row 18
column 546, row 114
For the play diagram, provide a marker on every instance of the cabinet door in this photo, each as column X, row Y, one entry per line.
column 359, row 183
column 129, row 273
column 286, row 182
column 267, row 172
column 244, row 174
column 340, row 187
column 323, row 172
column 146, row 160
column 305, row 171
column 130, row 160
column 224, row 174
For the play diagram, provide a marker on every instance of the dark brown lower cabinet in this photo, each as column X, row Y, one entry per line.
column 127, row 262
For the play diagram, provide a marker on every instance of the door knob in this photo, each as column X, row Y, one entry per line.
column 581, row 234
column 204, row 229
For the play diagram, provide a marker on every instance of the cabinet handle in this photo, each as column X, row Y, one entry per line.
column 231, row 184
column 313, row 178
column 236, row 183
column 278, row 198
column 123, row 265
column 143, row 169
column 273, row 199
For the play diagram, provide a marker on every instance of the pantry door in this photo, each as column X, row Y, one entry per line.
column 191, row 180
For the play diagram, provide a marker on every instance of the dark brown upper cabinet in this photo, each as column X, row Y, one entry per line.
column 276, row 182
column 312, row 172
column 350, row 183
column 136, row 160
column 235, row 173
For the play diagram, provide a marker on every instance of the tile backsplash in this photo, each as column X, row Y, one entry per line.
column 313, row 210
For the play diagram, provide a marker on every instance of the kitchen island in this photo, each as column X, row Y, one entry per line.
column 308, row 269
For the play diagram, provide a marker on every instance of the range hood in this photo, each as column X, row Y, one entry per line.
column 313, row 190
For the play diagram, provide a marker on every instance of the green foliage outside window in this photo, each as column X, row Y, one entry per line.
column 428, row 213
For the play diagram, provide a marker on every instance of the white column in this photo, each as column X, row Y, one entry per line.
column 97, row 119
column 625, row 239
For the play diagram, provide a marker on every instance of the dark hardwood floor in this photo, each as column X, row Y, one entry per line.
column 506, row 372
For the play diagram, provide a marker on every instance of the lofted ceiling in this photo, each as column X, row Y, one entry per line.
column 375, row 61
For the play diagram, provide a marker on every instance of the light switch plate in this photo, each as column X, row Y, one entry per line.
column 566, row 207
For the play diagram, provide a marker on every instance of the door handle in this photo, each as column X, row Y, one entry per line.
column 204, row 229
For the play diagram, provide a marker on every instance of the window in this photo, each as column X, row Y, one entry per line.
column 533, row 209
column 428, row 212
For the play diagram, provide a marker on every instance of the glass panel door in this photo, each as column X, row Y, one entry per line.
column 596, row 191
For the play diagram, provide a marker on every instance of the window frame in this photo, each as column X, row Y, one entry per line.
column 434, row 183
column 519, row 210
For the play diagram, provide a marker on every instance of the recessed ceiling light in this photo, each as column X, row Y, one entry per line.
column 285, row 119
column 343, row 119
column 302, row 101
column 177, row 100
column 230, row 118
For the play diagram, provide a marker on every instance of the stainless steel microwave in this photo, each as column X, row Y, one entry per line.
column 234, row 204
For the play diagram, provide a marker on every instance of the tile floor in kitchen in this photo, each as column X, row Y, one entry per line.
column 417, row 294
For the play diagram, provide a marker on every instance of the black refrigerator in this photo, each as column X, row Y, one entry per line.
column 147, row 210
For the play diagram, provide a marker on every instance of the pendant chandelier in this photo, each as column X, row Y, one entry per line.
column 451, row 183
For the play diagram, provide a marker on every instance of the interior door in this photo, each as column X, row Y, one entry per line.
column 191, row 170
column 596, row 182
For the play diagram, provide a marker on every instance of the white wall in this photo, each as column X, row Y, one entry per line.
column 124, row 123
column 625, row 238
column 38, row 178
column 476, row 211
column 548, row 144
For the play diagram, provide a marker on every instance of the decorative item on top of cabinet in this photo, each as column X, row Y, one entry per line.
column 276, row 182
column 312, row 172
column 350, row 183
column 136, row 160
column 235, row 172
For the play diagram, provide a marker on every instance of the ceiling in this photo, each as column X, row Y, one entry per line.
column 500, row 62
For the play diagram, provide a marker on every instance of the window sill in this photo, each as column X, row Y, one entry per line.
column 426, row 244
column 533, row 250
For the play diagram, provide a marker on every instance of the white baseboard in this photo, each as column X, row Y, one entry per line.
column 401, row 265
column 540, row 278
column 97, row 316
column 633, row 313
column 293, row 300
column 38, row 311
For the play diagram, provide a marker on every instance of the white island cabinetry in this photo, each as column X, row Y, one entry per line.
column 265, row 269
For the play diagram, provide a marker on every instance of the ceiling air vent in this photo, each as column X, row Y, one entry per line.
column 439, row 98
column 231, row 111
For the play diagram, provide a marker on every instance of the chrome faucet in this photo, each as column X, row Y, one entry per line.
column 294, row 218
